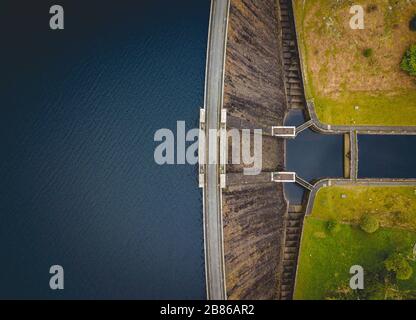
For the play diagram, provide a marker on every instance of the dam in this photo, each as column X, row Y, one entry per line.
column 263, row 88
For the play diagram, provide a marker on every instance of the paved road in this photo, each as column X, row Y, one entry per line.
column 214, row 253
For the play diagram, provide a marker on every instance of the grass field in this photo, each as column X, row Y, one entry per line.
column 326, row 257
column 393, row 206
column 347, row 87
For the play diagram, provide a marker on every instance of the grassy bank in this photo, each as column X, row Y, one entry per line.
column 393, row 206
column 377, row 108
column 347, row 87
column 326, row 257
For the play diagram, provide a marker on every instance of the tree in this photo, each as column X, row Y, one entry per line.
column 379, row 285
column 344, row 292
column 374, row 289
column 399, row 265
column 409, row 61
column 380, row 282
column 369, row 224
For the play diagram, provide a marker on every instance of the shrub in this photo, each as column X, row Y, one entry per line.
column 400, row 266
column 369, row 224
column 368, row 53
column 412, row 24
column 409, row 61
column 333, row 227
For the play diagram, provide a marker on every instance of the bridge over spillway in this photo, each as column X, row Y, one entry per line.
column 291, row 131
column 291, row 177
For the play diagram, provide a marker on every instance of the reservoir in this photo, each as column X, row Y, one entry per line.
column 79, row 184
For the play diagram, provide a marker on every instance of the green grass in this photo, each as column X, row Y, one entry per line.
column 375, row 108
column 393, row 206
column 325, row 258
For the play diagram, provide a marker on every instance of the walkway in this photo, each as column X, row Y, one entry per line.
column 304, row 127
column 214, row 87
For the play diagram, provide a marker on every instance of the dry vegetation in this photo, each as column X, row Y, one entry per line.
column 348, row 87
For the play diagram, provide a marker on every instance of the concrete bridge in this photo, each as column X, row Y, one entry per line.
column 304, row 126
column 291, row 177
column 290, row 131
column 304, row 183
column 211, row 172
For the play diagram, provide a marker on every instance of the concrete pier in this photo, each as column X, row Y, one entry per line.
column 353, row 155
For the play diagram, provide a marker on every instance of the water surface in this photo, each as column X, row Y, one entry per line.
column 312, row 156
column 79, row 185
column 387, row 156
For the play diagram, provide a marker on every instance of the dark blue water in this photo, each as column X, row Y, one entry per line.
column 312, row 156
column 387, row 156
column 79, row 186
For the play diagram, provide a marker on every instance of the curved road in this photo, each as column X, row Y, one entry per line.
column 214, row 87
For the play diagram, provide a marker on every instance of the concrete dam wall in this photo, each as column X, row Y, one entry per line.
column 254, row 208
